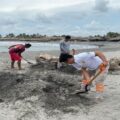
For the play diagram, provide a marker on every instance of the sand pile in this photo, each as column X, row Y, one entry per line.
column 33, row 93
column 115, row 64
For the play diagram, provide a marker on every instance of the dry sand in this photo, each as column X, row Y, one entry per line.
column 37, row 94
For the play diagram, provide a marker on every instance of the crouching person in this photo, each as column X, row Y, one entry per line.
column 89, row 63
column 15, row 52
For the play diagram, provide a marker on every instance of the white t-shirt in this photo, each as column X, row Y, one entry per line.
column 86, row 60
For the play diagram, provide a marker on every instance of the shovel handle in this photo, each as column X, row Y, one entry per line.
column 27, row 61
column 102, row 68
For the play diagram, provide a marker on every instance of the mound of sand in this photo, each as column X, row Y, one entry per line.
column 43, row 93
column 34, row 93
column 50, row 62
column 115, row 64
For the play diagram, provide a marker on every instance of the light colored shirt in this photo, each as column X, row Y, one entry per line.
column 87, row 60
column 64, row 47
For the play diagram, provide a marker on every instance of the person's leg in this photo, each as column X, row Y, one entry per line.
column 19, row 65
column 12, row 64
column 100, row 85
column 86, row 74
column 59, row 64
column 17, row 58
column 99, row 91
column 86, row 79
column 12, row 60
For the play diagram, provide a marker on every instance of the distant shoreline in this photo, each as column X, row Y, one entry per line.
column 103, row 45
column 59, row 38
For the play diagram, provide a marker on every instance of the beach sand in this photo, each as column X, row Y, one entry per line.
column 23, row 94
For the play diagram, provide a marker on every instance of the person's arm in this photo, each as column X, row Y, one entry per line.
column 85, row 74
column 11, row 46
column 20, row 52
column 73, row 51
column 102, row 56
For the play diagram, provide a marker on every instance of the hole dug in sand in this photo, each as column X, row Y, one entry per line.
column 37, row 92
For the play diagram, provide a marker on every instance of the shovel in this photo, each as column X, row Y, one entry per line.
column 87, row 87
column 28, row 62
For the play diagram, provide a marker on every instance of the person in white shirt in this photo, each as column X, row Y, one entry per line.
column 88, row 63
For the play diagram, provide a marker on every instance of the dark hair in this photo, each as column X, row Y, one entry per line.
column 67, row 37
column 64, row 57
column 28, row 45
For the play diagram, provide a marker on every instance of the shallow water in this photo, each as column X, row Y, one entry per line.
column 40, row 46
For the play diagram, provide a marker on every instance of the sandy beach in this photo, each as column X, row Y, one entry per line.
column 23, row 93
column 37, row 81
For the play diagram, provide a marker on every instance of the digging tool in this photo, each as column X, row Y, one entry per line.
column 28, row 61
column 87, row 87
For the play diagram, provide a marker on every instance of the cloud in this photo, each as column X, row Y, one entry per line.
column 101, row 5
column 36, row 4
column 114, row 4
column 95, row 26
column 77, row 17
column 32, row 19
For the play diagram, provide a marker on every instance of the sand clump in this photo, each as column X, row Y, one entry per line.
column 115, row 64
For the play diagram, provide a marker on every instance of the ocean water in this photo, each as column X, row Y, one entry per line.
column 40, row 46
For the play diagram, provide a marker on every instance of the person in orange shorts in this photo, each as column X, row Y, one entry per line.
column 88, row 63
column 15, row 52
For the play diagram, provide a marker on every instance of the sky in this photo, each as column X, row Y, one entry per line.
column 58, row 17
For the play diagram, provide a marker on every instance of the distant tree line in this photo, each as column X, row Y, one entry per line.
column 113, row 34
column 24, row 35
column 109, row 35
